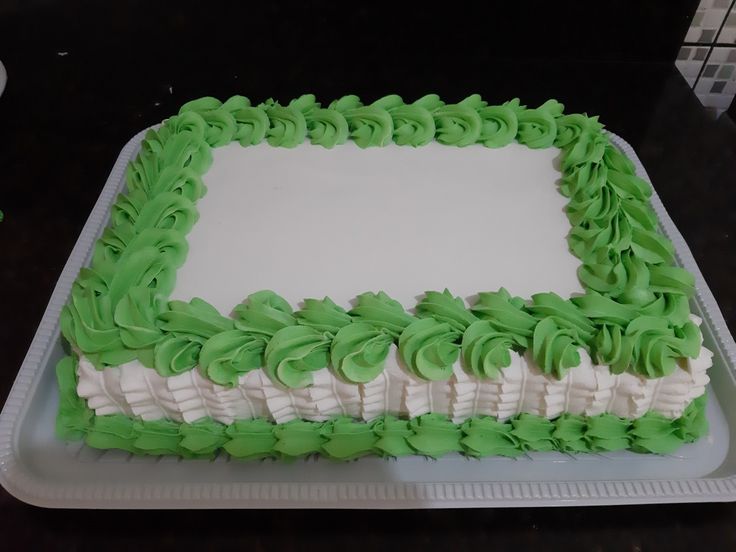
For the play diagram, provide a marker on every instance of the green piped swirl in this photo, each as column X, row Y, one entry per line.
column 343, row 438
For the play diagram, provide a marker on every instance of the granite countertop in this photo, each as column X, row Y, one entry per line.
column 71, row 103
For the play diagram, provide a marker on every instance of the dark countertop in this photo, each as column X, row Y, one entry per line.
column 78, row 91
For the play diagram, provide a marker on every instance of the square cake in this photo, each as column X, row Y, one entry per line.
column 279, row 281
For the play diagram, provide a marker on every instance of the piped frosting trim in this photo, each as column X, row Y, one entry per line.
column 343, row 438
column 633, row 317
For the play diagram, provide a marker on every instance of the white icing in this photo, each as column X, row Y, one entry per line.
column 346, row 221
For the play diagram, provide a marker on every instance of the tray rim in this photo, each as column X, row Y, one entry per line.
column 22, row 484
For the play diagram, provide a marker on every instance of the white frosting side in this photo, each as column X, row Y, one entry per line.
column 587, row 389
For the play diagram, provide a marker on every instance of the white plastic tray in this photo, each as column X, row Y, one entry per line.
column 40, row 470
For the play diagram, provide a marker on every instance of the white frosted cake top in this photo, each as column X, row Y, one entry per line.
column 310, row 222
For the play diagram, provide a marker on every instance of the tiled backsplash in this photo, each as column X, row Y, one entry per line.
column 707, row 58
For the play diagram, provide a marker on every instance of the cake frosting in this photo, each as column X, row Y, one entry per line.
column 133, row 389
column 613, row 360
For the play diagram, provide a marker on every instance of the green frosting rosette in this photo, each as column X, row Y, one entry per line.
column 293, row 353
column 250, row 439
column 369, row 125
column 499, row 125
column 158, row 437
column 264, row 313
column 459, row 124
column 115, row 431
column 414, row 123
column 443, row 307
column 298, row 438
column 393, row 435
column 347, row 439
column 325, row 127
column 252, row 125
column 485, row 350
column 607, row 433
column 189, row 326
column 569, row 433
column 288, row 127
column 226, row 356
column 555, row 349
column 485, row 436
column 534, row 433
column 613, row 348
column 323, row 315
column 435, row 435
column 359, row 352
column 537, row 127
column 657, row 345
column 203, row 438
column 429, row 348
column 379, row 310
column 563, row 312
column 137, row 317
column 506, row 314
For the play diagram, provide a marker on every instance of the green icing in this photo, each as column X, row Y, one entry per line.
column 459, row 124
column 264, row 313
column 115, row 431
column 607, row 433
column 323, row 315
column 228, row 355
column 174, row 355
column 537, row 127
column 359, row 352
column 250, row 439
column 534, row 432
column 252, row 125
column 413, row 124
column 392, row 436
column 435, row 435
column 343, row 438
column 485, row 436
column 613, row 348
column 379, row 310
column 288, row 126
column 506, row 314
column 73, row 417
column 429, row 348
column 555, row 349
column 203, row 438
column 347, row 439
column 369, row 125
column 197, row 318
column 569, row 433
column 293, row 353
column 443, row 307
column 158, row 437
column 298, row 438
column 657, row 345
column 485, row 350
column 499, row 126
column 550, row 306
column 189, row 326
column 137, row 317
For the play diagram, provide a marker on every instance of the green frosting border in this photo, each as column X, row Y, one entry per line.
column 633, row 316
column 343, row 438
